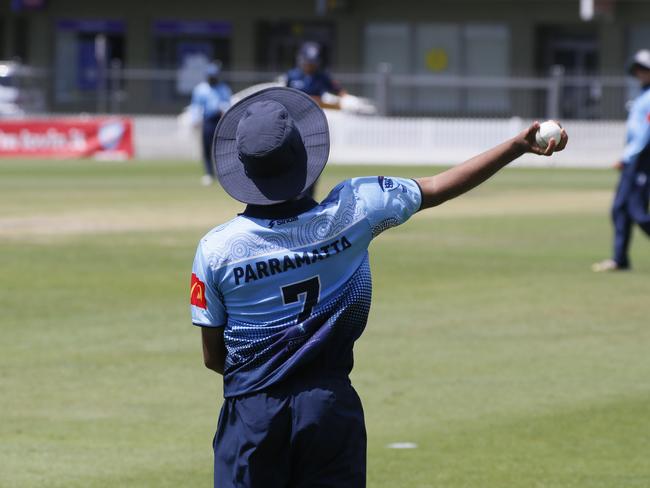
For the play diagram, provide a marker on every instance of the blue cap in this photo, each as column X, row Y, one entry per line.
column 212, row 69
column 309, row 53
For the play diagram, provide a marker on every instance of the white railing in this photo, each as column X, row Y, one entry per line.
column 155, row 91
column 406, row 140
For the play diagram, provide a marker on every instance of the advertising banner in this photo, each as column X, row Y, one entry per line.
column 100, row 138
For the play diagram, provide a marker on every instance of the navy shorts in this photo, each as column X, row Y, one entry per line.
column 310, row 433
column 209, row 126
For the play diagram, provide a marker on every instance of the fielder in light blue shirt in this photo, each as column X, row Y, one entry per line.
column 638, row 128
column 633, row 191
column 210, row 99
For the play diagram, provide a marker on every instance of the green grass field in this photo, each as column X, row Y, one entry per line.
column 491, row 344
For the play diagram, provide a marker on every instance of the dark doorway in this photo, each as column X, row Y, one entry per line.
column 575, row 49
column 21, row 39
column 278, row 42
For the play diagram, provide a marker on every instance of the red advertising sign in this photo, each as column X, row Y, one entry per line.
column 101, row 138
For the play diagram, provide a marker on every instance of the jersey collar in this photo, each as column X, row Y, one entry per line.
column 280, row 210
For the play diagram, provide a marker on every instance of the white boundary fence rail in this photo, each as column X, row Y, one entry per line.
column 404, row 141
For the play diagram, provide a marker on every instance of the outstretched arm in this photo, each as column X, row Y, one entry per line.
column 462, row 178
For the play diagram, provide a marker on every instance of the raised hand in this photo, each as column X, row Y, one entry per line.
column 527, row 142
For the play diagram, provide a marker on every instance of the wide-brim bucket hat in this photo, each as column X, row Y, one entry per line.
column 243, row 125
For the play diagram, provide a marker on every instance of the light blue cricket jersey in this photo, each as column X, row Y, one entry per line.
column 294, row 294
column 209, row 101
column 638, row 129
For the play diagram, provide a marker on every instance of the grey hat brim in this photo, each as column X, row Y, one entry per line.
column 310, row 121
column 641, row 60
column 631, row 67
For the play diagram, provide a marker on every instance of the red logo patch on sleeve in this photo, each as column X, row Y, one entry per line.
column 197, row 292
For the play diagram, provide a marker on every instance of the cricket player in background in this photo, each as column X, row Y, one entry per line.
column 282, row 291
column 309, row 76
column 210, row 99
column 633, row 191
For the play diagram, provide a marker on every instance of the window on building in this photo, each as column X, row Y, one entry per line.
column 187, row 47
column 638, row 38
column 85, row 49
column 389, row 42
column 442, row 49
column 487, row 54
column 574, row 48
column 278, row 42
column 439, row 52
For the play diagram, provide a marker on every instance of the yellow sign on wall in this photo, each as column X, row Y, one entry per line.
column 436, row 59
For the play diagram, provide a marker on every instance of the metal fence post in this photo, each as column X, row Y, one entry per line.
column 115, row 91
column 102, row 73
column 383, row 88
column 554, row 92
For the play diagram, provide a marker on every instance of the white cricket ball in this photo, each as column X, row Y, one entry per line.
column 548, row 130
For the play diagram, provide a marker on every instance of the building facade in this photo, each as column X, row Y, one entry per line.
column 83, row 46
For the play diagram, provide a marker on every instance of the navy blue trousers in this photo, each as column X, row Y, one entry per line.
column 309, row 433
column 207, row 134
column 630, row 207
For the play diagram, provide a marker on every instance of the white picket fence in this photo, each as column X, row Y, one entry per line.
column 407, row 141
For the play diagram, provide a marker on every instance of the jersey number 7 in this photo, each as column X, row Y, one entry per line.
column 310, row 288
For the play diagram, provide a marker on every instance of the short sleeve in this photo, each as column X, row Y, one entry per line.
column 206, row 302
column 638, row 127
column 196, row 106
column 226, row 95
column 387, row 201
